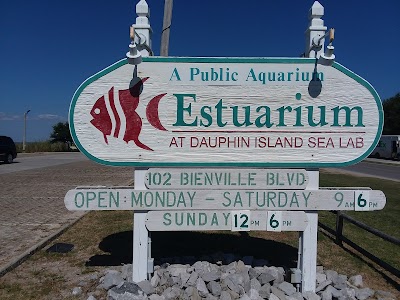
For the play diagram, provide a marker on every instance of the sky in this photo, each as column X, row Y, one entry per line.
column 48, row 48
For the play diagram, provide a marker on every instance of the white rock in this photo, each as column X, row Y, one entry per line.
column 356, row 280
column 76, row 291
column 201, row 287
column 363, row 294
column 321, row 277
column 273, row 297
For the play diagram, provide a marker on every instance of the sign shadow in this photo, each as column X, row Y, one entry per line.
column 189, row 247
column 315, row 85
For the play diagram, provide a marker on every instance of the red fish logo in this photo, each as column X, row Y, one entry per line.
column 129, row 102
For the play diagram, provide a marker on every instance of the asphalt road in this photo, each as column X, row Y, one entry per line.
column 29, row 161
column 386, row 169
column 379, row 168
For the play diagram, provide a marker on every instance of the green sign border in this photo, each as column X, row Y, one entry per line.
column 122, row 62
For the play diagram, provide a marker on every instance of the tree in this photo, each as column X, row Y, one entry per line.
column 61, row 133
column 391, row 108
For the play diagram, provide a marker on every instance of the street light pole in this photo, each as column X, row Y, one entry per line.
column 24, row 139
column 166, row 28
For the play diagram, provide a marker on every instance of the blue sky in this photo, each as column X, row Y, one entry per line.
column 48, row 48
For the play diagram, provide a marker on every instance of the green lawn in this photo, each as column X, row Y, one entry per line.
column 386, row 220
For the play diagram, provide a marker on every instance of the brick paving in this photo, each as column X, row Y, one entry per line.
column 32, row 202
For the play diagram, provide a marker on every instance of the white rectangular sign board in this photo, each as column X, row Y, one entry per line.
column 130, row 199
column 242, row 220
column 224, row 112
column 207, row 178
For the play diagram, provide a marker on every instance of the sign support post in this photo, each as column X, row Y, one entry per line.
column 140, row 234
column 141, row 238
column 308, row 239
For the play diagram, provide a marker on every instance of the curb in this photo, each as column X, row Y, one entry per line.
column 382, row 161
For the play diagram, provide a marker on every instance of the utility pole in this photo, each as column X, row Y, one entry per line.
column 24, row 139
column 166, row 27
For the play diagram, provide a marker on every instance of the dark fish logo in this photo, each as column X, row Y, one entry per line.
column 129, row 101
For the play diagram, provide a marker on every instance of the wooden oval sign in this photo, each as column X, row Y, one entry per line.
column 244, row 112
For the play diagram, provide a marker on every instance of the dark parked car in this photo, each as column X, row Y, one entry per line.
column 8, row 151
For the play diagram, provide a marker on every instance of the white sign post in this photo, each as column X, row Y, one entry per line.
column 226, row 120
column 141, row 239
column 308, row 241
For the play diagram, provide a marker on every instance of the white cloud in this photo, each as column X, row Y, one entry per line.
column 50, row 117
column 7, row 117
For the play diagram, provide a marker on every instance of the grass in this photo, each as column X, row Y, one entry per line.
column 49, row 275
column 104, row 239
column 42, row 146
column 386, row 220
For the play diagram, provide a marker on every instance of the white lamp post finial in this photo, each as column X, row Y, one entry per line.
column 315, row 30
column 143, row 29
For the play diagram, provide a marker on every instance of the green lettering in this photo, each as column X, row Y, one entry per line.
column 294, row 200
column 246, row 121
column 171, row 199
column 214, row 220
column 226, row 195
column 282, row 195
column 226, row 217
column 220, row 108
column 101, row 198
column 270, row 197
column 281, row 111
column 136, row 201
column 266, row 115
column 347, row 110
column 176, row 219
column 115, row 199
column 90, row 196
column 191, row 197
column 82, row 200
column 176, row 74
column 322, row 117
column 181, row 200
column 191, row 219
column 306, row 197
column 252, row 75
column 298, row 117
column 206, row 115
column 193, row 72
column 238, row 200
column 181, row 109
column 202, row 219
column 167, row 219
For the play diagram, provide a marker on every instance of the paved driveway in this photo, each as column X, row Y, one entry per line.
column 32, row 201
